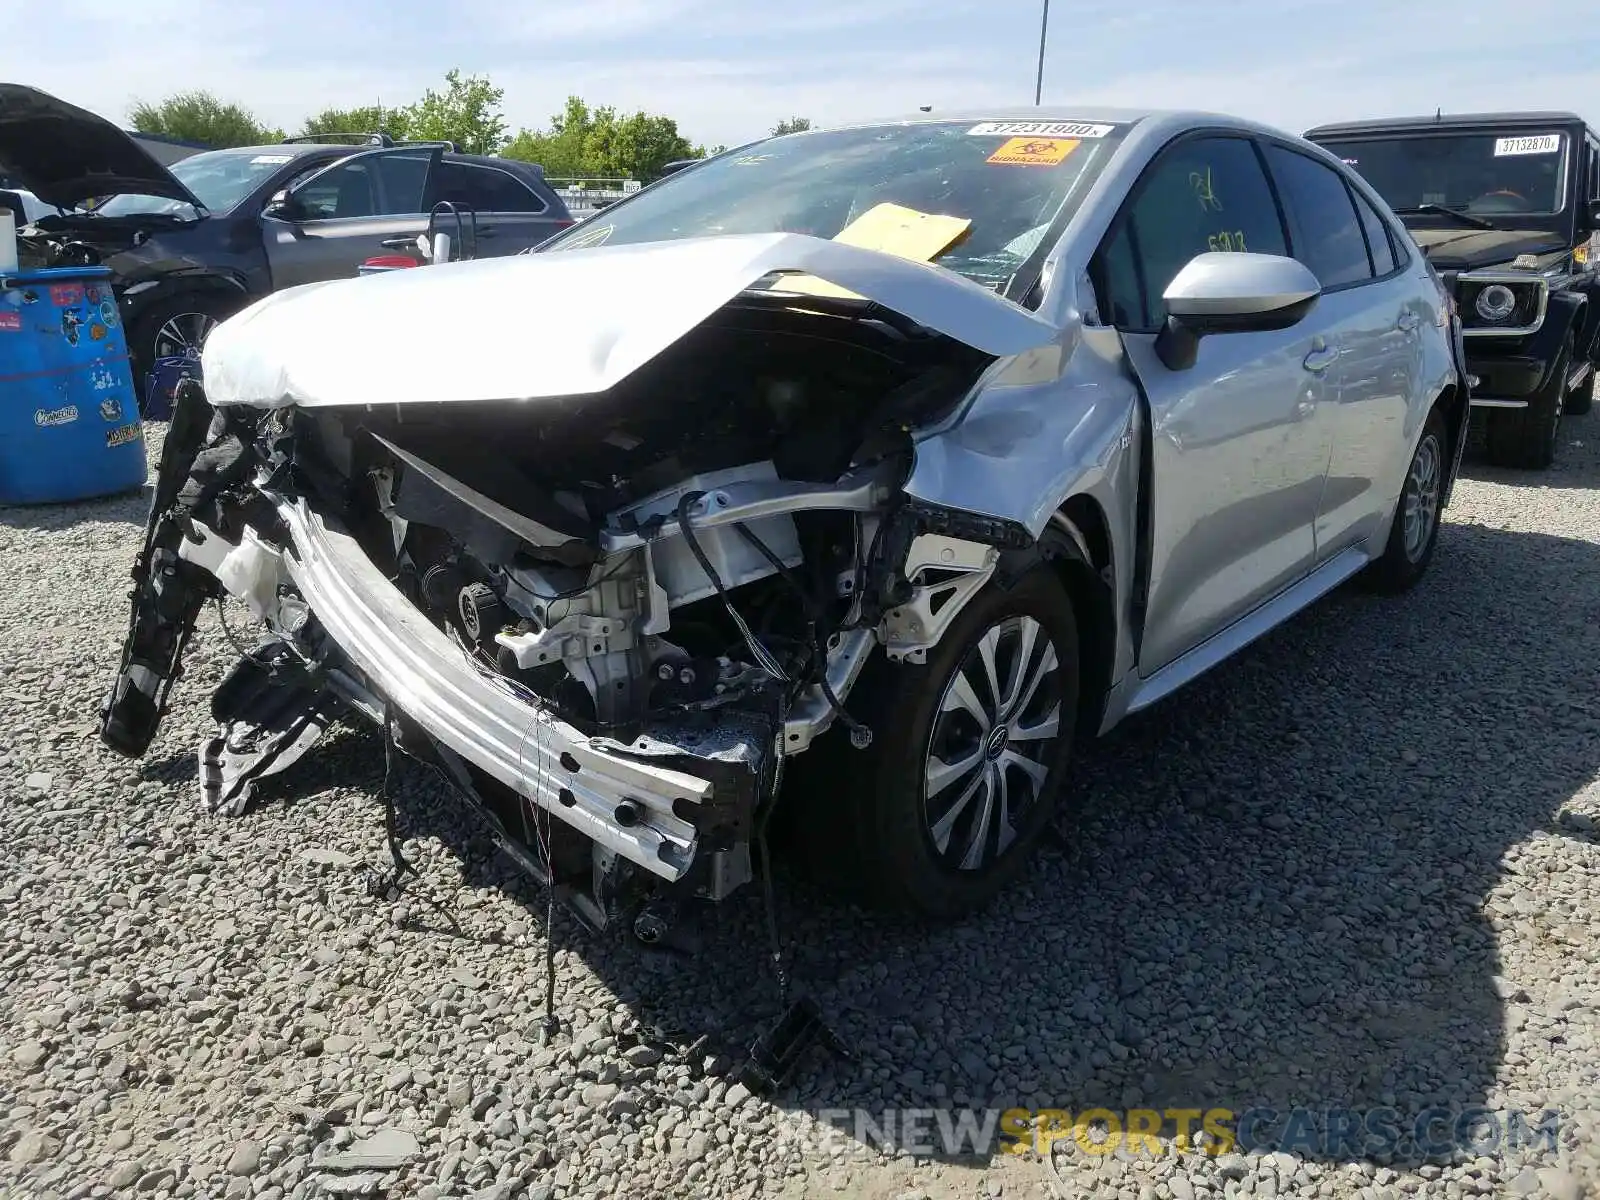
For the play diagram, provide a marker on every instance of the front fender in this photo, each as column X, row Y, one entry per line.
column 1561, row 318
column 1034, row 434
column 1038, row 431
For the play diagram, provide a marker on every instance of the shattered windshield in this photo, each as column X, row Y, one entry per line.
column 218, row 178
column 1000, row 184
column 1489, row 175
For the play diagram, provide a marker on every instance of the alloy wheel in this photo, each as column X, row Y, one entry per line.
column 1421, row 501
column 993, row 738
column 183, row 335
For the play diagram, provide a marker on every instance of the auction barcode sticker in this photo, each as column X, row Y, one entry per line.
column 1040, row 129
column 1544, row 143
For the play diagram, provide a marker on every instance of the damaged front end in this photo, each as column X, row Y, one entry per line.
column 622, row 610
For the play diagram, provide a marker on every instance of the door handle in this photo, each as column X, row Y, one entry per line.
column 400, row 243
column 1320, row 359
column 1408, row 321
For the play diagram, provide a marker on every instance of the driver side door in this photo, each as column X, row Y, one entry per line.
column 1239, row 441
column 343, row 215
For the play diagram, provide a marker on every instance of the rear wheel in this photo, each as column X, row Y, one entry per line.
column 1527, row 437
column 972, row 749
column 1415, row 530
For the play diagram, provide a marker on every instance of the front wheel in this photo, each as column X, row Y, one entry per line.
column 174, row 328
column 973, row 747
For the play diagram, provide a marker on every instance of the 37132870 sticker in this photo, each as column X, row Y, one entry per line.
column 10, row 322
column 1033, row 152
column 1543, row 143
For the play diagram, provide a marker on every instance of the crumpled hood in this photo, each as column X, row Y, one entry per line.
column 1470, row 249
column 560, row 323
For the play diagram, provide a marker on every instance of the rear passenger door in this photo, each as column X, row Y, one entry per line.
column 511, row 216
column 1371, row 317
column 341, row 216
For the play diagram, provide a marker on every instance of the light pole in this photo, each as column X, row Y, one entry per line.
column 1044, row 25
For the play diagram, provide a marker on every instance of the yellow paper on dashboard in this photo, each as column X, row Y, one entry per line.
column 892, row 229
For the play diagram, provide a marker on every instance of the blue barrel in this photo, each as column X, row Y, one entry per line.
column 69, row 418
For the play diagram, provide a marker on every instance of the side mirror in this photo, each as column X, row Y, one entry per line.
column 284, row 207
column 1232, row 293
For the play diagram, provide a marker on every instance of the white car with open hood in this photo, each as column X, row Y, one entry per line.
column 851, row 477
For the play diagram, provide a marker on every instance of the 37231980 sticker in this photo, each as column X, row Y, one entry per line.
column 1040, row 129
column 1033, row 152
column 10, row 322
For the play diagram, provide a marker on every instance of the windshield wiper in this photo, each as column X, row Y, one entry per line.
column 1439, row 210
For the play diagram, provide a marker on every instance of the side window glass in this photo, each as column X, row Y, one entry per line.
column 402, row 179
column 1383, row 260
column 485, row 190
column 1206, row 193
column 1328, row 232
column 500, row 191
column 349, row 185
column 374, row 186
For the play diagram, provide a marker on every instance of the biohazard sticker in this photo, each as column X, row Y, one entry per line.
column 1040, row 129
column 1034, row 152
column 124, row 435
column 10, row 322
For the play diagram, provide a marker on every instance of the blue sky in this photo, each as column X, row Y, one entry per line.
column 728, row 70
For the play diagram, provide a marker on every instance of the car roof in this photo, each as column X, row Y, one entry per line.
column 1499, row 120
column 517, row 165
column 1159, row 121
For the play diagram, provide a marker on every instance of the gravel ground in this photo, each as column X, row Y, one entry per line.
column 1353, row 868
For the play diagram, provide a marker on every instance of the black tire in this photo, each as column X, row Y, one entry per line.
column 1414, row 532
column 1526, row 438
column 149, row 333
column 877, row 833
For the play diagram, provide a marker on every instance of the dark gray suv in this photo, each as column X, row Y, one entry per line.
column 193, row 243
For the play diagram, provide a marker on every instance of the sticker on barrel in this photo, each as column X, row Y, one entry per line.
column 44, row 418
column 124, row 435
column 65, row 295
column 10, row 322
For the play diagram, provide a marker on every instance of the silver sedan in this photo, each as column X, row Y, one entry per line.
column 852, row 478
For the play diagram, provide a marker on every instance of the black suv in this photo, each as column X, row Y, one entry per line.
column 1506, row 206
column 192, row 244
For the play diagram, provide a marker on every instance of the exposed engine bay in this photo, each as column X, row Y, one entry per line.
column 624, row 611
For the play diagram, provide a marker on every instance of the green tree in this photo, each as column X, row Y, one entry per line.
column 365, row 119
column 584, row 141
column 560, row 149
column 792, row 125
column 642, row 144
column 200, row 117
column 467, row 113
